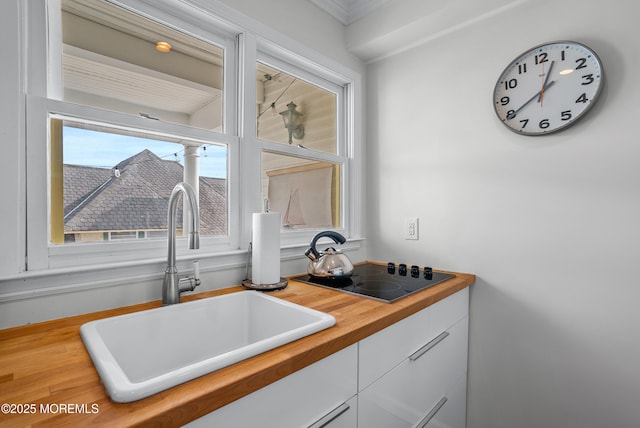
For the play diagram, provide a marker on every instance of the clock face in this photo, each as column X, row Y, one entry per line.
column 548, row 88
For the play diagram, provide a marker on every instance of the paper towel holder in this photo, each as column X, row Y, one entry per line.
column 247, row 283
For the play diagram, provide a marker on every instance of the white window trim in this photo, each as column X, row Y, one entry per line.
column 343, row 155
column 43, row 101
column 244, row 195
column 272, row 48
column 41, row 254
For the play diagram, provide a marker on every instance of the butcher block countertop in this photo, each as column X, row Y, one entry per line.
column 47, row 377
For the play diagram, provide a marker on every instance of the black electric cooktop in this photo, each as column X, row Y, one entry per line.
column 386, row 283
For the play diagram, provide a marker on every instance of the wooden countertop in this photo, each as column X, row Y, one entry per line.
column 45, row 367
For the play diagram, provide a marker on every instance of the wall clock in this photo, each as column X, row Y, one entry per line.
column 548, row 88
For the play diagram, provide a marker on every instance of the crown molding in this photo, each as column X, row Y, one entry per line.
column 349, row 11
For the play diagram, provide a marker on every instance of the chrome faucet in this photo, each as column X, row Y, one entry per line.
column 173, row 285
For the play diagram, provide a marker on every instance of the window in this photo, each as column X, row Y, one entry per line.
column 314, row 111
column 116, row 184
column 115, row 121
column 305, row 192
column 301, row 173
column 120, row 61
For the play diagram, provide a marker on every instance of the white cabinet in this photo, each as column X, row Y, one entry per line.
column 411, row 374
column 425, row 385
column 385, row 349
column 310, row 397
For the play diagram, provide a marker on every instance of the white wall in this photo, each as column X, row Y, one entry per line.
column 550, row 225
column 302, row 21
column 11, row 133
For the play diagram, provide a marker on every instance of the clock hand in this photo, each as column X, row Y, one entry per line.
column 524, row 105
column 544, row 84
column 540, row 94
column 537, row 94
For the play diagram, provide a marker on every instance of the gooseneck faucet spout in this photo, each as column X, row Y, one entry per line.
column 171, row 287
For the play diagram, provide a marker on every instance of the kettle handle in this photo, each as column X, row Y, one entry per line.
column 335, row 236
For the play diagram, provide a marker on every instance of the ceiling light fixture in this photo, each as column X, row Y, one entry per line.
column 163, row 47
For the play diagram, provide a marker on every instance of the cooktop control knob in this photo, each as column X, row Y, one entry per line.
column 415, row 271
column 402, row 269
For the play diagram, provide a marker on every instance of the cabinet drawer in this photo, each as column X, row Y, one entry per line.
column 380, row 352
column 449, row 311
column 329, row 383
column 453, row 413
column 343, row 416
column 406, row 394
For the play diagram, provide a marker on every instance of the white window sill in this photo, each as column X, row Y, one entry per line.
column 49, row 282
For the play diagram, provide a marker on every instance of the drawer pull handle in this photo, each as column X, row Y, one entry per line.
column 329, row 417
column 426, row 348
column 432, row 413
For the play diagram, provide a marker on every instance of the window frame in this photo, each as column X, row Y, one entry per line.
column 294, row 67
column 41, row 253
column 242, row 48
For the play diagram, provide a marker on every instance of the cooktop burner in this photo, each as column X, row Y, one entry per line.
column 385, row 283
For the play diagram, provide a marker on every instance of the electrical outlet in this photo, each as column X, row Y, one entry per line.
column 411, row 228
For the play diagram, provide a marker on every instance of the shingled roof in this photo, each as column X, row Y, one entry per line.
column 98, row 199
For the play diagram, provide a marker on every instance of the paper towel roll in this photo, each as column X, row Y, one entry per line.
column 265, row 257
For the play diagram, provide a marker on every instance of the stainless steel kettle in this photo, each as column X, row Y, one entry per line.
column 331, row 263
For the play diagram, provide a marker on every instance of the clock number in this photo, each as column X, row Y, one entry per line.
column 588, row 79
column 524, row 122
column 510, row 84
column 544, row 123
column 522, row 68
column 511, row 114
column 582, row 99
column 504, row 101
column 565, row 115
column 562, row 56
column 541, row 58
column 581, row 63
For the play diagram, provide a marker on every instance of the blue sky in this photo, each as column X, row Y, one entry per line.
column 105, row 150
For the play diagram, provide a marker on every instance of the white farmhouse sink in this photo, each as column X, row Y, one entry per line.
column 146, row 352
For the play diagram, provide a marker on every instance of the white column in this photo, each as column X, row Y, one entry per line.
column 192, row 177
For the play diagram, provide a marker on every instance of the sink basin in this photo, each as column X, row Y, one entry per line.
column 146, row 352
